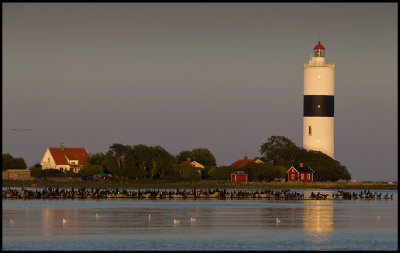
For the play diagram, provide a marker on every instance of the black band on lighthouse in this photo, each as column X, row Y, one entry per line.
column 318, row 106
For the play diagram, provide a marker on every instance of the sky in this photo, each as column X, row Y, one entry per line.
column 222, row 76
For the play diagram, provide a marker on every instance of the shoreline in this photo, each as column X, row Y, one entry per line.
column 200, row 184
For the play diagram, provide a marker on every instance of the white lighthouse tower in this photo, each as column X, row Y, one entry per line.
column 318, row 114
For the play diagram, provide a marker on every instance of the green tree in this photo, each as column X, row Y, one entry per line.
column 270, row 149
column 222, row 172
column 204, row 157
column 187, row 172
column 10, row 162
column 183, row 155
column 90, row 170
column 282, row 151
column 7, row 161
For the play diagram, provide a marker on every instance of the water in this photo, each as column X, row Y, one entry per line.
column 220, row 224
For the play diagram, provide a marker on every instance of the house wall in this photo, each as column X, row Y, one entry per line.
column 294, row 172
column 305, row 179
column 238, row 178
column 46, row 164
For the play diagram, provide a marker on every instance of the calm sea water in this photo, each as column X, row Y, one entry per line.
column 219, row 225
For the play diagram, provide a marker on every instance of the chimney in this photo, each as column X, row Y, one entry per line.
column 188, row 159
column 301, row 164
column 246, row 157
column 62, row 146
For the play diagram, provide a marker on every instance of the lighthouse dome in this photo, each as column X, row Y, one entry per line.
column 319, row 46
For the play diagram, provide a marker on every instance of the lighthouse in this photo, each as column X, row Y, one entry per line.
column 318, row 112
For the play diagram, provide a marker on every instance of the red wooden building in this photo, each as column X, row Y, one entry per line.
column 301, row 173
column 239, row 177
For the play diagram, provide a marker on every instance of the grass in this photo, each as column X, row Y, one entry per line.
column 200, row 184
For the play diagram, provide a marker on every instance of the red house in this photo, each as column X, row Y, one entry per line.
column 301, row 173
column 242, row 162
column 238, row 177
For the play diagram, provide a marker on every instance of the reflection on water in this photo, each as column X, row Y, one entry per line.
column 220, row 224
column 319, row 216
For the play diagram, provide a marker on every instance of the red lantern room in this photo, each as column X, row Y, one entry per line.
column 319, row 50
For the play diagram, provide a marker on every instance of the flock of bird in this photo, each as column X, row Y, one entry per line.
column 99, row 193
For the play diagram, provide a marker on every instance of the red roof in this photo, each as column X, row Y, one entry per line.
column 242, row 162
column 59, row 156
column 319, row 46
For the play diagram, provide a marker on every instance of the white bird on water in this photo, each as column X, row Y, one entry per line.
column 277, row 221
column 192, row 219
column 176, row 221
column 64, row 221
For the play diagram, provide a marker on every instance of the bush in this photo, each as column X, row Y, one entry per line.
column 35, row 171
column 222, row 173
column 52, row 173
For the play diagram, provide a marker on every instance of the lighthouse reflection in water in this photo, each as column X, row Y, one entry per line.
column 319, row 216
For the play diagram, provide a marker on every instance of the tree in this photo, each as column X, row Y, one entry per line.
column 7, row 161
column 187, row 172
column 222, row 172
column 10, row 162
column 283, row 152
column 183, row 155
column 204, row 157
column 270, row 149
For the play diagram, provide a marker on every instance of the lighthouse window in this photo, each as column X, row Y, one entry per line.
column 309, row 130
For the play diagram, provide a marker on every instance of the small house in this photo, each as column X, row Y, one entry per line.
column 239, row 177
column 62, row 158
column 301, row 173
column 193, row 164
column 242, row 162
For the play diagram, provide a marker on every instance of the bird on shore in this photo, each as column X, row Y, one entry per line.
column 64, row 221
column 378, row 217
column 192, row 219
column 11, row 221
column 277, row 221
column 176, row 221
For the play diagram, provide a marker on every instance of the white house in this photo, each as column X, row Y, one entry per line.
column 193, row 164
column 62, row 158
